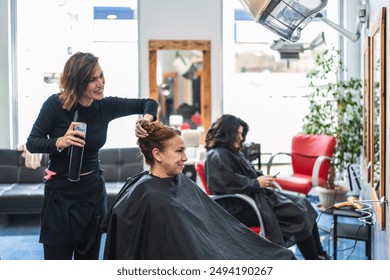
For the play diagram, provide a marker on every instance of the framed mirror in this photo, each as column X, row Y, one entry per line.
column 378, row 114
column 193, row 88
column 367, row 108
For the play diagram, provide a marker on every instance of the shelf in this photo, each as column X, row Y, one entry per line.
column 354, row 231
column 350, row 231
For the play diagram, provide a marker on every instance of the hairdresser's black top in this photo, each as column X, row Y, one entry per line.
column 53, row 122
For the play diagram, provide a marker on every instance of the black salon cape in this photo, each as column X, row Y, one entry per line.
column 288, row 218
column 173, row 219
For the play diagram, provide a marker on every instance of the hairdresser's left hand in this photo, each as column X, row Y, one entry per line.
column 139, row 130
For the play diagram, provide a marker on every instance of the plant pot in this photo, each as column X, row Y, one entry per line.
column 329, row 197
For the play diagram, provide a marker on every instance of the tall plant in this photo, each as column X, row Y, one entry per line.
column 336, row 108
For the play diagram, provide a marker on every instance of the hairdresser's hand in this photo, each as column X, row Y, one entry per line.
column 139, row 130
column 71, row 137
column 266, row 181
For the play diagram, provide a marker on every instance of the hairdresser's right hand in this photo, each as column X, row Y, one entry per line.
column 140, row 132
column 266, row 181
column 71, row 137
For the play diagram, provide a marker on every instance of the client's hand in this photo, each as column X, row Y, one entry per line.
column 266, row 181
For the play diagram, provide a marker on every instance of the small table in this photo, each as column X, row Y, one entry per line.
column 350, row 231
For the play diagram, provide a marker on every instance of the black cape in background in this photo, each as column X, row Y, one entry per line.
column 174, row 219
column 288, row 218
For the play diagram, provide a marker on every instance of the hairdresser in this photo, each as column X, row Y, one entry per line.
column 74, row 206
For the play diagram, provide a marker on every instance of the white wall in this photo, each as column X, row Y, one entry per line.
column 5, row 84
column 182, row 20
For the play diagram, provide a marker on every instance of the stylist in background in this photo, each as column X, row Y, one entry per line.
column 72, row 211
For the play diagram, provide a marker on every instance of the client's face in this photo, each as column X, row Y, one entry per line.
column 174, row 156
column 239, row 138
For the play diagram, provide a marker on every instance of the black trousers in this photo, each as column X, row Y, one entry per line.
column 311, row 248
column 69, row 252
column 71, row 217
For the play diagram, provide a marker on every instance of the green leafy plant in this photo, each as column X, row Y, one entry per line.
column 336, row 108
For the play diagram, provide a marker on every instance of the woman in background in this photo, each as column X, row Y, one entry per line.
column 187, row 111
column 162, row 214
column 72, row 211
column 288, row 218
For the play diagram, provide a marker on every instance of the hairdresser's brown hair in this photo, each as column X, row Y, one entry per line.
column 158, row 135
column 75, row 77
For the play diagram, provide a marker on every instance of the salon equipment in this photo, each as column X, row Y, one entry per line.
column 76, row 156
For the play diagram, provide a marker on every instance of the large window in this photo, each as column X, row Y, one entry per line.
column 264, row 85
column 49, row 31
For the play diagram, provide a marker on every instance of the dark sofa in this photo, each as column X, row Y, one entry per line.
column 21, row 188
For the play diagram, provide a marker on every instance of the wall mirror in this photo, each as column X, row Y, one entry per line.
column 367, row 108
column 172, row 83
column 378, row 116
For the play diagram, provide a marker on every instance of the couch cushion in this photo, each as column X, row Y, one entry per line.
column 113, row 189
column 22, row 189
column 10, row 161
column 5, row 187
column 22, row 198
column 13, row 169
column 119, row 164
column 27, row 175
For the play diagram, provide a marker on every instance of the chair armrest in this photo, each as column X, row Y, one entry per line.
column 269, row 165
column 316, row 169
column 277, row 186
column 250, row 201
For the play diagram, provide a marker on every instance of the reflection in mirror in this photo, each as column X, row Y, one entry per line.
column 179, row 83
column 367, row 108
column 378, row 115
column 180, row 74
column 376, row 112
column 167, row 91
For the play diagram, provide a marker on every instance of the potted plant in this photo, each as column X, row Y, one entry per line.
column 336, row 109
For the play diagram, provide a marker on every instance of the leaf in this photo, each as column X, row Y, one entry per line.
column 336, row 108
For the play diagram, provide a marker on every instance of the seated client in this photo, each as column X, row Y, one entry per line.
column 162, row 214
column 289, row 219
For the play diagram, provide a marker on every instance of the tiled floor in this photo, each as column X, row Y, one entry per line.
column 19, row 239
